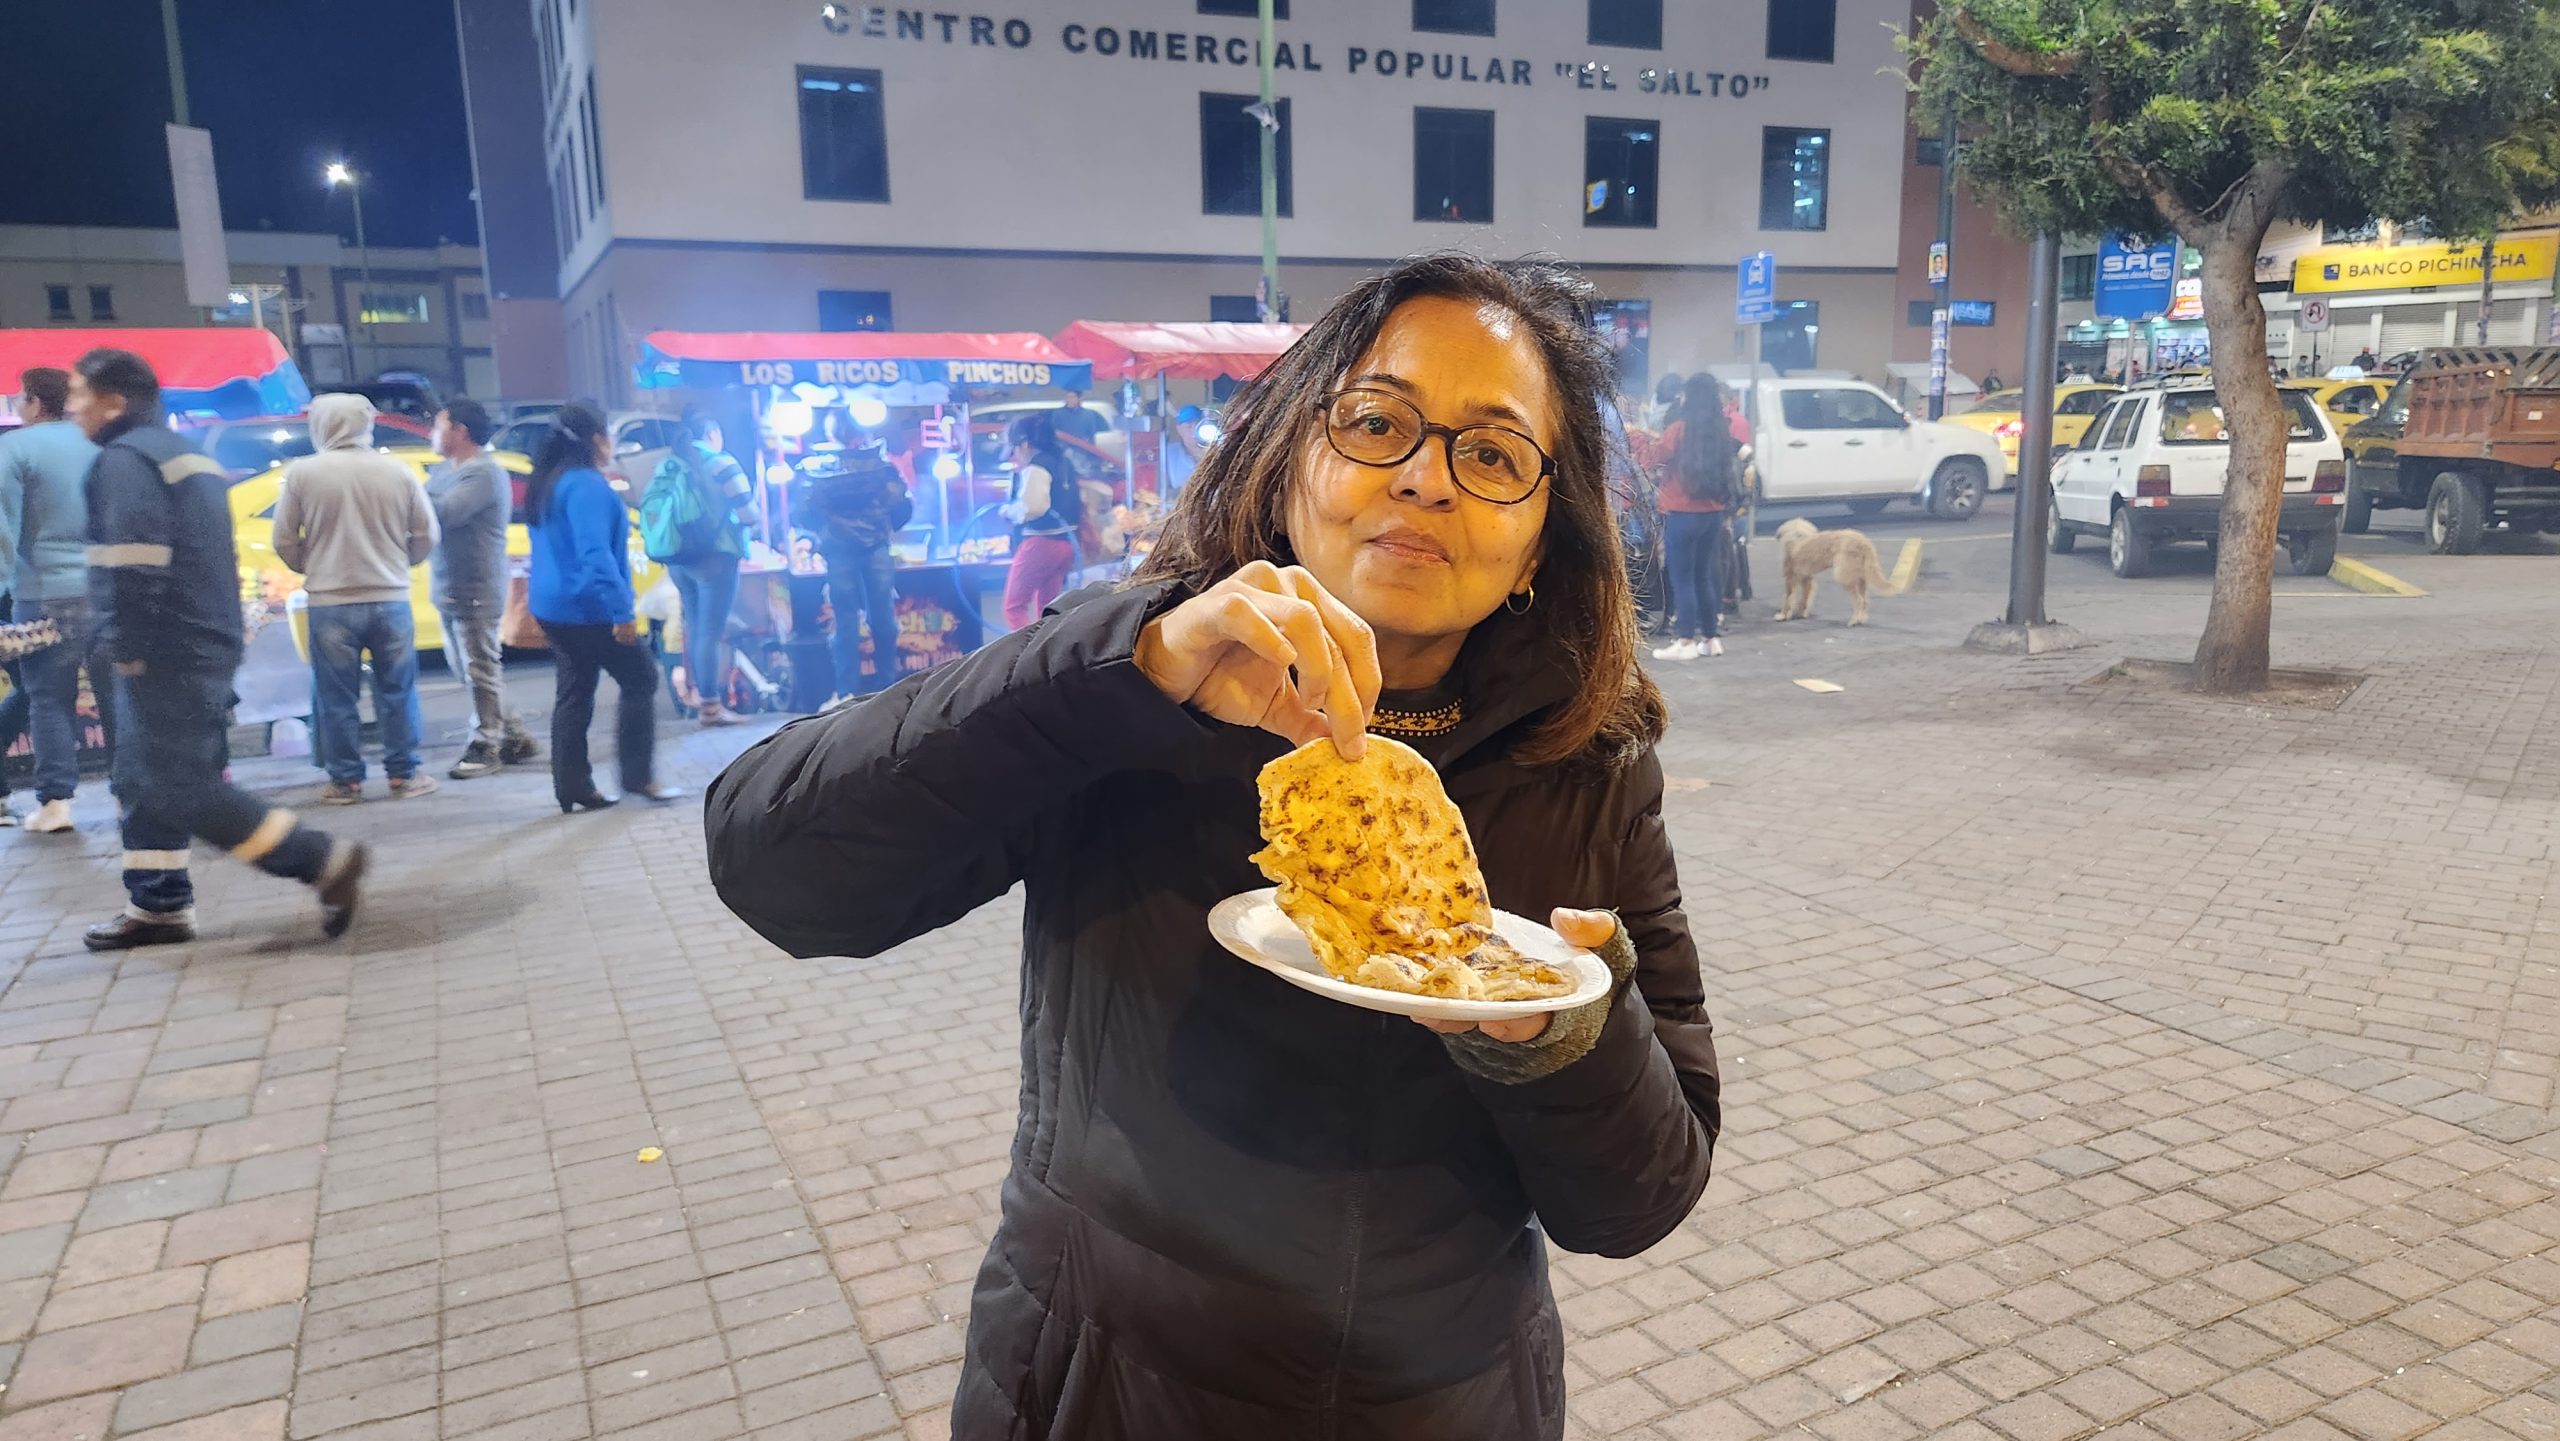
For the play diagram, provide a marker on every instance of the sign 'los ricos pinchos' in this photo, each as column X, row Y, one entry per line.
column 896, row 23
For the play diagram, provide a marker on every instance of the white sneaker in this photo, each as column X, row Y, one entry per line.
column 1715, row 645
column 52, row 818
column 1679, row 650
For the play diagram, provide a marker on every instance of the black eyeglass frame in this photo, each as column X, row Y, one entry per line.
column 1448, row 435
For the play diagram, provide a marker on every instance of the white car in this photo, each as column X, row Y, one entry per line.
column 641, row 439
column 2150, row 472
column 1825, row 439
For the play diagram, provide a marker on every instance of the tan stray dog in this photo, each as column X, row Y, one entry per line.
column 1848, row 555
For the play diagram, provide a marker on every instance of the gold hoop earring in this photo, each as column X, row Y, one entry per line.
column 1525, row 600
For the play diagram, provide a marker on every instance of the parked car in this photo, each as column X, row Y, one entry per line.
column 641, row 439
column 2002, row 416
column 2347, row 403
column 246, row 446
column 265, row 579
column 2154, row 476
column 2473, row 438
column 1827, row 439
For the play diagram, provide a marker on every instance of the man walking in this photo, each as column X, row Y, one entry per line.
column 164, row 587
column 353, row 521
column 44, row 470
column 472, row 497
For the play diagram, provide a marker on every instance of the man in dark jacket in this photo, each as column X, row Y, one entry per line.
column 861, row 504
column 164, row 584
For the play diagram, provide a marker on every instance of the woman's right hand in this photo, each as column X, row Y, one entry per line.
column 1268, row 647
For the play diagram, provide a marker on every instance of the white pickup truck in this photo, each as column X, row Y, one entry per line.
column 1819, row 439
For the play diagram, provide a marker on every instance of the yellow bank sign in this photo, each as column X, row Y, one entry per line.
column 2400, row 267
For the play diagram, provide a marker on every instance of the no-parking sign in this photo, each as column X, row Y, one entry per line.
column 2315, row 314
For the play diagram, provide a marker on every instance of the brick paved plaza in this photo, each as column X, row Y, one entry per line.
column 2100, row 1062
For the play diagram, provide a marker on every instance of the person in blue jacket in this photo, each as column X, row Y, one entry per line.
column 580, row 591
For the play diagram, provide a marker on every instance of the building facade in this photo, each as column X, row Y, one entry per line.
column 782, row 165
column 342, row 313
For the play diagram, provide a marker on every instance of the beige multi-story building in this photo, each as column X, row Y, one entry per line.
column 785, row 165
column 342, row 313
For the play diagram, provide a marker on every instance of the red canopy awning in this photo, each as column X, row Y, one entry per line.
column 233, row 369
column 880, row 358
column 1178, row 349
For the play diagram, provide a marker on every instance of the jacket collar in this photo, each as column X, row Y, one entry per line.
column 135, row 417
column 1507, row 674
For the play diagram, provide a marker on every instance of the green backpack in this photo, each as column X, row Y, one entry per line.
column 679, row 519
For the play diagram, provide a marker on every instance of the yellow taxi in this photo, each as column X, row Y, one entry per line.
column 268, row 587
column 2347, row 402
column 2002, row 416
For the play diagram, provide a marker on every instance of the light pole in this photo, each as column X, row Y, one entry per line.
column 338, row 174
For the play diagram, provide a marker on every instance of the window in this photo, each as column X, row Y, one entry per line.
column 475, row 305
column 57, row 303
column 1921, row 313
column 1792, row 341
column 2119, row 424
column 1231, row 155
column 1250, row 9
column 1636, row 24
column 102, row 302
column 2083, row 402
column 1454, row 17
column 2194, row 417
column 1802, row 29
column 393, row 307
column 854, row 310
column 1619, row 161
column 844, row 138
column 1840, row 409
column 2079, row 277
column 2354, row 400
column 1795, row 179
column 1453, row 165
column 595, row 148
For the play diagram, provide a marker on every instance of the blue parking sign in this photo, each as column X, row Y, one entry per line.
column 1756, row 289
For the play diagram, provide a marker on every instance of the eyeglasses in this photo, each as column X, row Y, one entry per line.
column 1379, row 428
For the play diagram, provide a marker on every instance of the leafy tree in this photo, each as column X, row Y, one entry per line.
column 2215, row 118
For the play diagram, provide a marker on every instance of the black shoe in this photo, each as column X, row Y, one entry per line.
column 515, row 748
column 478, row 759
column 127, row 932
column 591, row 801
column 659, row 792
column 340, row 891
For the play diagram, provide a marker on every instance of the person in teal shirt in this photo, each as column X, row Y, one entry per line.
column 44, row 527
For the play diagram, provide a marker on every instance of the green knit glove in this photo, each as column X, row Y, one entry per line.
column 1566, row 1039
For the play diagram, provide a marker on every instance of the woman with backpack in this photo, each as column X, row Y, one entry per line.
column 691, row 522
column 1701, row 483
column 580, row 590
column 1046, row 509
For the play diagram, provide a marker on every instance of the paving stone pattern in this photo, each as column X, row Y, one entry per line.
column 2101, row 1062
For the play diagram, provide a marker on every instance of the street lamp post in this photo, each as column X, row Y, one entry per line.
column 338, row 174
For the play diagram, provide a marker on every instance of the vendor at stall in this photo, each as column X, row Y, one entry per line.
column 860, row 502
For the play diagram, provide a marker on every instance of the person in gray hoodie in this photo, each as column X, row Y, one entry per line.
column 353, row 521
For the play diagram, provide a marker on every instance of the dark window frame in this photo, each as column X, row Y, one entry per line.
column 595, row 144
column 1778, row 212
column 1219, row 108
column 2080, row 277
column 1650, row 190
column 871, row 82
column 102, row 302
column 1625, row 24
column 1450, row 118
column 1812, row 44
column 57, row 303
column 1440, row 24
column 880, row 304
column 1244, row 9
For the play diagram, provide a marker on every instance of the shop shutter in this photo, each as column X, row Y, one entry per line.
column 2411, row 327
column 2508, row 324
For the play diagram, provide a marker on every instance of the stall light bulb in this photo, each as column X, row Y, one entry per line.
column 777, row 475
column 1209, row 432
column 789, row 417
column 868, row 411
column 946, row 466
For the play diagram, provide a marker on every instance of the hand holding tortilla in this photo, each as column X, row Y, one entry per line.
column 1267, row 647
column 1375, row 867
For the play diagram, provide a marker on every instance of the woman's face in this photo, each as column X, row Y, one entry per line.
column 1411, row 553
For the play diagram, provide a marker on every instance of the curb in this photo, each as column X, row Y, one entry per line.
column 2356, row 575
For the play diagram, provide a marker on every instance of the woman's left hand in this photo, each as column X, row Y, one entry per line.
column 1588, row 930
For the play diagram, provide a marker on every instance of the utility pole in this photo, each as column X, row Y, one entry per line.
column 339, row 173
column 2488, row 279
column 2024, row 629
column 1270, row 119
column 1942, row 278
column 177, row 61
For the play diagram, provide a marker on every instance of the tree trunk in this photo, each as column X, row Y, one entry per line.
column 2232, row 655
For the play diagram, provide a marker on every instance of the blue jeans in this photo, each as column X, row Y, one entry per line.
column 341, row 637
column 861, row 581
column 708, row 590
column 52, row 690
column 1697, row 586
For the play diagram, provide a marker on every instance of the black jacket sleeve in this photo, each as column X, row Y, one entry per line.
column 1614, row 1147
column 847, row 833
column 132, row 537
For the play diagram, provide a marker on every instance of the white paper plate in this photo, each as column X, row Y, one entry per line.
column 1253, row 926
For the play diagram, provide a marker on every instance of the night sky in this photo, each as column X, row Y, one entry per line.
column 284, row 85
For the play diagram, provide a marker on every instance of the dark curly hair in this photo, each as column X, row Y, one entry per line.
column 1235, row 508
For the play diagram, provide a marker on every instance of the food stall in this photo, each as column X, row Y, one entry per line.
column 1162, row 351
column 226, row 371
column 797, row 400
